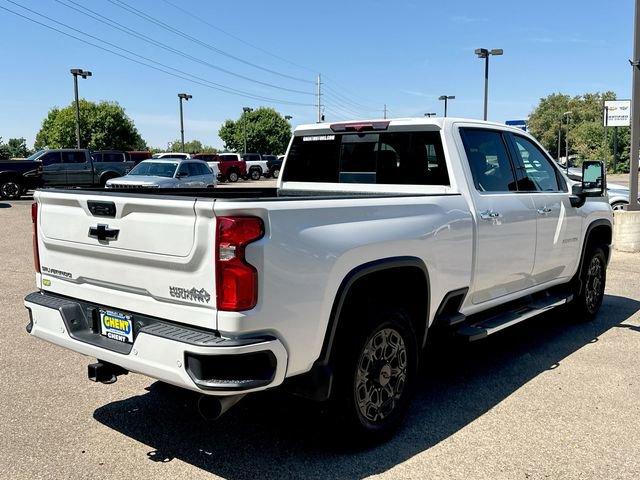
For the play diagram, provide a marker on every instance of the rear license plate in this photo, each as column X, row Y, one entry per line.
column 116, row 325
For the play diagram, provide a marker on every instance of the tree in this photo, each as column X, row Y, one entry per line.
column 14, row 148
column 193, row 146
column 266, row 132
column 586, row 130
column 103, row 125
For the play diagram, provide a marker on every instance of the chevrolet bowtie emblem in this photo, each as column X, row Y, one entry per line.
column 103, row 233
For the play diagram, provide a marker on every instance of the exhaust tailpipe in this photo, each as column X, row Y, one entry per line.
column 212, row 408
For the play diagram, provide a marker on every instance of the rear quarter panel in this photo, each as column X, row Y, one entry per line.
column 310, row 246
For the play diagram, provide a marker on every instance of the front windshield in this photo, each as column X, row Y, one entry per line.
column 34, row 156
column 155, row 169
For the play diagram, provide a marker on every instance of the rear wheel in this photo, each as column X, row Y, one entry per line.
column 593, row 278
column 233, row 176
column 275, row 173
column 255, row 174
column 375, row 373
column 10, row 189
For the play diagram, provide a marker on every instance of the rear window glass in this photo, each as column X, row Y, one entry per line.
column 396, row 158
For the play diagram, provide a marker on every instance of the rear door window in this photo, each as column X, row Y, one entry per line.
column 489, row 161
column 393, row 158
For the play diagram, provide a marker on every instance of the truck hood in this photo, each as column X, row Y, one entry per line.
column 142, row 180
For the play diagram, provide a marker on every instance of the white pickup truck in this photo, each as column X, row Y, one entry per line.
column 379, row 232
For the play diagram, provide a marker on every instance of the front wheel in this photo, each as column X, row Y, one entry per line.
column 375, row 373
column 275, row 173
column 233, row 177
column 593, row 279
column 10, row 190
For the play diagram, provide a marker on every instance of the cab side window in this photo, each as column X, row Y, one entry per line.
column 73, row 157
column 540, row 174
column 489, row 161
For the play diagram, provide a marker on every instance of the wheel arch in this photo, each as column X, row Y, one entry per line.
column 598, row 232
column 317, row 383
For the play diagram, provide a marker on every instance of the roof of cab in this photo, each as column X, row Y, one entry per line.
column 437, row 122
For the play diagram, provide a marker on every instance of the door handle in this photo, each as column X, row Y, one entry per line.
column 544, row 210
column 489, row 215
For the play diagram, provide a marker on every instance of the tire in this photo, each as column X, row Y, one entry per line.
column 276, row 173
column 105, row 179
column 233, row 176
column 10, row 189
column 593, row 276
column 374, row 383
column 255, row 174
column 616, row 206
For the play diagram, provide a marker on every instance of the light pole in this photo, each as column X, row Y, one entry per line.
column 84, row 74
column 430, row 114
column 446, row 98
column 485, row 53
column 183, row 96
column 244, row 123
column 288, row 117
column 567, row 115
column 559, row 138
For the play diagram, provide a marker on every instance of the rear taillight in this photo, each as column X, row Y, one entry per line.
column 34, row 221
column 236, row 280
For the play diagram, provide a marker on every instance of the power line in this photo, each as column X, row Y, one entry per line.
column 149, row 18
column 347, row 100
column 239, row 39
column 118, row 26
column 181, row 74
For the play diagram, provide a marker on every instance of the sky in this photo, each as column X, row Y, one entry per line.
column 402, row 53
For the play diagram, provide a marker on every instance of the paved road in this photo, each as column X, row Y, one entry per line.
column 553, row 398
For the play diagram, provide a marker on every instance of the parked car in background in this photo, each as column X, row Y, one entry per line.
column 274, row 163
column 171, row 155
column 18, row 176
column 61, row 167
column 256, row 166
column 139, row 155
column 167, row 173
column 381, row 233
column 231, row 167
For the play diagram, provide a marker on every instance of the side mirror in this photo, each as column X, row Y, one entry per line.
column 181, row 174
column 592, row 185
column 593, row 179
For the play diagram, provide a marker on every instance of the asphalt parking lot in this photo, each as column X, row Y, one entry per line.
column 552, row 398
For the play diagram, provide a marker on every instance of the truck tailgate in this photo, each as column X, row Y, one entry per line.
column 129, row 252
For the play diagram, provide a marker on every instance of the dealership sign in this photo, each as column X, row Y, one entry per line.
column 617, row 113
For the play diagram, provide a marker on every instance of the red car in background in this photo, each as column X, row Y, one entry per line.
column 231, row 167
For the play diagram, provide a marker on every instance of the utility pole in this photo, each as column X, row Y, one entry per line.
column 635, row 115
column 245, row 110
column 566, row 138
column 606, row 144
column 559, row 139
column 182, row 96
column 84, row 74
column 385, row 111
column 319, row 98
